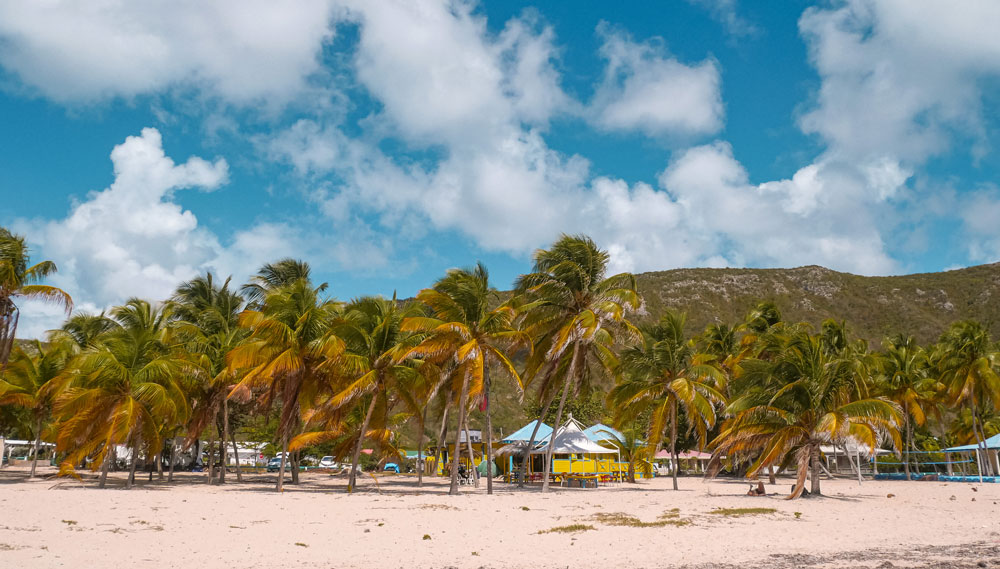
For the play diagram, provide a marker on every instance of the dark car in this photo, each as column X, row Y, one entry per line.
column 274, row 464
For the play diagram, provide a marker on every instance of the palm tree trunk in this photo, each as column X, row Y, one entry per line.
column 131, row 469
column 488, row 444
column 211, row 457
column 526, row 456
column 420, row 446
column 173, row 459
column 441, row 445
column 977, row 429
column 223, row 458
column 463, row 403
column 770, row 475
column 353, row 477
column 38, row 442
column 570, row 376
column 673, row 441
column 800, row 477
column 236, row 453
column 284, row 457
column 105, row 465
column 814, row 476
column 472, row 455
column 906, row 424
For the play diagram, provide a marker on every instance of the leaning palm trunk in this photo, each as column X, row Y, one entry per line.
column 472, row 455
column 463, row 403
column 801, row 472
column 420, row 447
column 673, row 442
column 488, row 448
column 105, row 466
column 353, row 477
column 236, row 453
column 526, row 456
column 284, row 458
column 131, row 469
column 570, row 376
column 977, row 429
column 38, row 442
column 906, row 461
column 223, row 458
column 441, row 444
column 211, row 458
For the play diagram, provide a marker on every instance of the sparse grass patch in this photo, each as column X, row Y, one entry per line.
column 69, row 522
column 436, row 507
column 572, row 528
column 736, row 512
column 620, row 519
column 300, row 544
column 798, row 515
column 526, row 508
column 427, row 536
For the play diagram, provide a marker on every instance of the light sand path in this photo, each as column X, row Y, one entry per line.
column 63, row 523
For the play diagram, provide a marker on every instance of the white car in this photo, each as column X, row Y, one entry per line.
column 328, row 462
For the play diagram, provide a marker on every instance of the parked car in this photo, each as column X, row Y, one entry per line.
column 328, row 462
column 274, row 464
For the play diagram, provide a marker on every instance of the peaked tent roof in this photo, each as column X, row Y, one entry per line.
column 601, row 432
column 524, row 433
column 570, row 439
column 992, row 443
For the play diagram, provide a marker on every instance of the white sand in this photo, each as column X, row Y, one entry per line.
column 63, row 523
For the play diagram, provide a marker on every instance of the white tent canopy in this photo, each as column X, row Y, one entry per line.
column 570, row 439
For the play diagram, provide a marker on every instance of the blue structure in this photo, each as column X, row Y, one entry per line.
column 601, row 432
column 524, row 434
column 992, row 443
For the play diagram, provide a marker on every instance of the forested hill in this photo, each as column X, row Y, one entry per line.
column 922, row 304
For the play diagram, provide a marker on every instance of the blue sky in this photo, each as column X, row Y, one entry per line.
column 385, row 142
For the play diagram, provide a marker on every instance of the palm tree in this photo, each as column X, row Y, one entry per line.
column 207, row 320
column 572, row 309
column 287, row 356
column 790, row 405
column 29, row 383
column 966, row 361
column 374, row 363
column 663, row 374
column 904, row 379
column 273, row 276
column 19, row 279
column 123, row 390
column 475, row 336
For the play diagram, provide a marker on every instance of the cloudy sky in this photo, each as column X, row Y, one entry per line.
column 143, row 143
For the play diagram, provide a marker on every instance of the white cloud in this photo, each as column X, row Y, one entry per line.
column 900, row 77
column 646, row 90
column 242, row 50
column 726, row 12
column 132, row 239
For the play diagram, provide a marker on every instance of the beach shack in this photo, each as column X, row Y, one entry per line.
column 986, row 455
column 574, row 453
column 509, row 455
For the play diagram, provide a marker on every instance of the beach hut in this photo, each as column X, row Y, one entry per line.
column 992, row 446
column 690, row 458
column 577, row 453
column 515, row 443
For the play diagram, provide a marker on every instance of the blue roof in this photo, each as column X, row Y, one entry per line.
column 524, row 433
column 601, row 432
column 992, row 443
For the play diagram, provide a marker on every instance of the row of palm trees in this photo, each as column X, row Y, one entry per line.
column 765, row 394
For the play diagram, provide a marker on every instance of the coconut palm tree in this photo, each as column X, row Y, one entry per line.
column 966, row 362
column 29, row 383
column 19, row 280
column 662, row 375
column 122, row 390
column 207, row 321
column 572, row 308
column 466, row 328
column 288, row 354
column 800, row 399
column 374, row 366
column 904, row 379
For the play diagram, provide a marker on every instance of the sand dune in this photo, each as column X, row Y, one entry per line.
column 63, row 523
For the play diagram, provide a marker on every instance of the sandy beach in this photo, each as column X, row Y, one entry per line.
column 54, row 522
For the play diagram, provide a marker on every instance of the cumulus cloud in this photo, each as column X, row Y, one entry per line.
column 133, row 239
column 900, row 77
column 244, row 51
column 646, row 90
